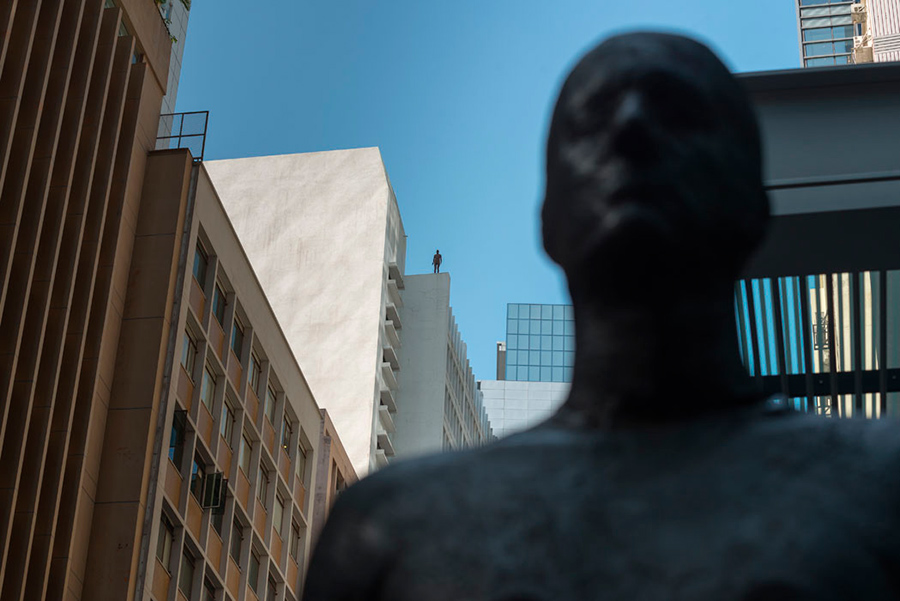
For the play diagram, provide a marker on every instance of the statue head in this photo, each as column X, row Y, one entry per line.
column 654, row 169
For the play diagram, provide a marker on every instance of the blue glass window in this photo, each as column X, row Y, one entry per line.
column 818, row 49
column 557, row 374
column 545, row 357
column 546, row 375
column 512, row 357
column 534, row 358
column 512, row 342
column 546, row 327
column 546, row 312
column 512, row 326
column 523, row 341
column 534, row 374
column 843, row 46
column 570, row 343
column 523, row 373
column 559, row 328
column 567, row 374
column 559, row 312
column 557, row 358
column 512, row 311
column 535, row 311
column 570, row 328
column 535, row 343
column 535, row 327
column 558, row 343
column 510, row 372
column 570, row 312
column 820, row 62
column 817, row 35
column 546, row 343
column 843, row 31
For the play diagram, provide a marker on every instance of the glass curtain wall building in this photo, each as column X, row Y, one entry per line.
column 540, row 342
column 827, row 30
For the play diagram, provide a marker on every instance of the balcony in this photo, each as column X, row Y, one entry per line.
column 387, row 422
column 390, row 355
column 387, row 375
column 394, row 274
column 384, row 444
column 394, row 293
column 387, row 397
column 381, row 459
column 391, row 333
column 393, row 315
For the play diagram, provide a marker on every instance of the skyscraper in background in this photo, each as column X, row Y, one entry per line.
column 835, row 32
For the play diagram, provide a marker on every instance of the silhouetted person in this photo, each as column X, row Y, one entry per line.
column 665, row 475
column 437, row 260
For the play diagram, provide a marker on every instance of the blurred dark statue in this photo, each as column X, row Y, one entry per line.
column 665, row 475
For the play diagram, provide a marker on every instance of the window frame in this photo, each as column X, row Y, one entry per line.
column 208, row 374
column 189, row 354
column 262, row 484
column 200, row 253
column 198, row 472
column 165, row 538
column 187, row 557
column 217, row 307
column 294, row 541
column 237, row 538
column 226, row 427
column 246, row 443
column 237, row 331
column 255, row 368
column 269, row 409
column 286, row 428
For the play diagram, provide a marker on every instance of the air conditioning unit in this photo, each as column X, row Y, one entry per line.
column 858, row 13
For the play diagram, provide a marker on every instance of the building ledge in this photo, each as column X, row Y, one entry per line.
column 388, row 376
column 387, row 422
column 387, row 397
column 394, row 274
column 394, row 293
column 392, row 334
column 390, row 355
column 393, row 315
column 384, row 444
column 381, row 459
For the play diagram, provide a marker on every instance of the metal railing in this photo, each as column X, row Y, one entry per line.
column 183, row 130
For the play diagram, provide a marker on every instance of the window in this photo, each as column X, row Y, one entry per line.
column 209, row 591
column 262, row 486
column 219, row 305
column 208, row 387
column 197, row 472
column 188, row 354
column 164, row 541
column 270, row 589
column 294, row 541
column 278, row 513
column 255, row 373
column 217, row 516
column 237, row 538
column 237, row 338
column 287, row 431
column 176, row 439
column 244, row 454
column 253, row 575
column 300, row 465
column 270, row 404
column 186, row 577
column 226, row 428
column 201, row 261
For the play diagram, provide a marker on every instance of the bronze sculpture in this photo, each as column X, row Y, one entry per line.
column 665, row 475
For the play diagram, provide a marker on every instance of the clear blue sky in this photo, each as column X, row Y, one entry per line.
column 457, row 96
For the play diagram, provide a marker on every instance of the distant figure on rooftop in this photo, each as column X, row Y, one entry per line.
column 437, row 260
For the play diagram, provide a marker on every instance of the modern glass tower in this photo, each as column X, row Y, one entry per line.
column 540, row 342
column 826, row 32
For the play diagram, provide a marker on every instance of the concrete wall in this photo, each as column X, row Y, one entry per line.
column 313, row 226
column 426, row 317
column 515, row 406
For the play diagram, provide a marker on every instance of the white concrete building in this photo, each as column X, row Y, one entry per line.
column 440, row 405
column 515, row 406
column 324, row 235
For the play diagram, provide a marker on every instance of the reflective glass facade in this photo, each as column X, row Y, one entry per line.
column 540, row 342
column 826, row 32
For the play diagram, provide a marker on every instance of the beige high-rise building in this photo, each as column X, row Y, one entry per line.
column 324, row 233
column 157, row 437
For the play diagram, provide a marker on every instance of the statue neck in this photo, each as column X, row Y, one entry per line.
column 669, row 360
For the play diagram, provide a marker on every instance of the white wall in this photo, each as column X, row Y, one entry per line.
column 515, row 406
column 314, row 228
column 423, row 365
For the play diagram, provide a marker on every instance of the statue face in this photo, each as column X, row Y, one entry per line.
column 653, row 150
